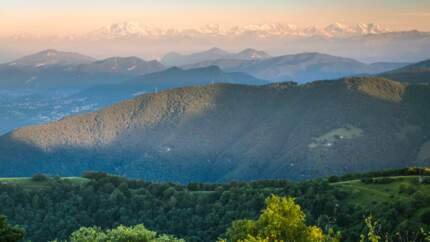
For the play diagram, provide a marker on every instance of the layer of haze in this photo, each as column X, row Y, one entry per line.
column 66, row 17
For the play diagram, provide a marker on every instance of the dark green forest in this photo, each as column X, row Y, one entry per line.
column 49, row 208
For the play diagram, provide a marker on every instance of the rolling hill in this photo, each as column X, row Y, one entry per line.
column 303, row 67
column 176, row 59
column 167, row 79
column 235, row 132
column 418, row 73
column 52, row 69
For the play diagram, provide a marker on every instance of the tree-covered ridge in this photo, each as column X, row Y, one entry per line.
column 225, row 132
column 418, row 73
column 203, row 212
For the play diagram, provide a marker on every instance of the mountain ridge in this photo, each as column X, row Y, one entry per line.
column 302, row 67
column 52, row 57
column 53, row 69
column 169, row 78
column 234, row 132
column 417, row 73
column 176, row 59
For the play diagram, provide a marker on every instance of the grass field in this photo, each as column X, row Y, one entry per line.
column 371, row 196
column 367, row 194
column 27, row 182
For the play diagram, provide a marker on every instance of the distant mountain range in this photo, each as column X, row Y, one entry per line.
column 52, row 69
column 176, row 59
column 170, row 78
column 52, row 84
column 364, row 42
column 235, row 132
column 135, row 29
column 303, row 67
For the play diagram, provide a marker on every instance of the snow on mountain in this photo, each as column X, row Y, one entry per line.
column 135, row 29
column 125, row 29
column 370, row 29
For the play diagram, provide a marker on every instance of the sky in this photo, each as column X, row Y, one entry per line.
column 79, row 16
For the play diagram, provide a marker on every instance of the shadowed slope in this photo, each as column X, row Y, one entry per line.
column 418, row 73
column 225, row 131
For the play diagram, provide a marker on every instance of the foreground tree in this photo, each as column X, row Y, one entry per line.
column 281, row 220
column 121, row 233
column 9, row 233
column 372, row 235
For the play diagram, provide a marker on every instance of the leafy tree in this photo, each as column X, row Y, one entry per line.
column 121, row 233
column 9, row 233
column 281, row 220
column 372, row 235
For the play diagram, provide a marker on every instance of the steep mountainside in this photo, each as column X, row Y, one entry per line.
column 226, row 131
column 415, row 73
column 302, row 67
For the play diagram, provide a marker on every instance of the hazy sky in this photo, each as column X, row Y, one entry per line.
column 77, row 16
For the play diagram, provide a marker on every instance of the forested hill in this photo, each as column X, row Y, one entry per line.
column 49, row 208
column 418, row 73
column 227, row 132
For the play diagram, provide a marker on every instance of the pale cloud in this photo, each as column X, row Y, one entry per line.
column 418, row 14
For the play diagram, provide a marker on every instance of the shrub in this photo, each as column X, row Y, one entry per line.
column 333, row 179
column 367, row 180
column 408, row 189
column 94, row 175
column 9, row 233
column 39, row 177
column 425, row 217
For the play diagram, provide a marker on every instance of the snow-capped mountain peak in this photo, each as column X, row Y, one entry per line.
column 125, row 29
column 263, row 31
column 370, row 28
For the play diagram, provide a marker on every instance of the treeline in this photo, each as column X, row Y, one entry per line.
column 194, row 212
column 411, row 171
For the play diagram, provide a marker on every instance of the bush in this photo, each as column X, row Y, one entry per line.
column 367, row 180
column 39, row 177
column 425, row 217
column 384, row 180
column 333, row 179
column 425, row 180
column 92, row 175
column 9, row 233
column 408, row 189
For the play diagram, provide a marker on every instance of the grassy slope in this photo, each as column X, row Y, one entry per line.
column 28, row 183
column 371, row 196
column 367, row 194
